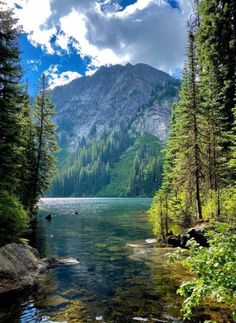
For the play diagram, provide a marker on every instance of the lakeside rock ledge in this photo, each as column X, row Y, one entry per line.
column 20, row 266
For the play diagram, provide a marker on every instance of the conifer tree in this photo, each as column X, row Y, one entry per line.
column 217, row 53
column 10, row 101
column 27, row 169
column 188, row 164
column 45, row 142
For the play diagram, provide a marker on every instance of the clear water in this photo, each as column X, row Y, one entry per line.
column 113, row 282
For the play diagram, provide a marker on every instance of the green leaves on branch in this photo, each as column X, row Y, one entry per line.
column 215, row 272
column 14, row 220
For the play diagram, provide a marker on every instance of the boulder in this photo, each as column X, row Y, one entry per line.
column 196, row 233
column 20, row 266
column 174, row 241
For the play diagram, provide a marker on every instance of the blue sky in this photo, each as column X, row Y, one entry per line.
column 72, row 38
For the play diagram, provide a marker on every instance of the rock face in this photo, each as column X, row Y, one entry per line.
column 20, row 266
column 134, row 97
column 102, row 120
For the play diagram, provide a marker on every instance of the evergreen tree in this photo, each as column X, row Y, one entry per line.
column 188, row 164
column 217, row 52
column 27, row 169
column 45, row 142
column 10, row 102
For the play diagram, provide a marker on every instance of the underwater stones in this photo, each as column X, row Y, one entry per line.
column 54, row 300
column 74, row 312
column 57, row 261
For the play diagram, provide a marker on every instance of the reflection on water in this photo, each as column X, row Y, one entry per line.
column 112, row 282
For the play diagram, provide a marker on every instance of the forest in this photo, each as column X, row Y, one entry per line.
column 98, row 170
column 193, row 177
column 200, row 156
column 27, row 138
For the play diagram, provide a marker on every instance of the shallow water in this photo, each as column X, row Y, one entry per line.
column 113, row 282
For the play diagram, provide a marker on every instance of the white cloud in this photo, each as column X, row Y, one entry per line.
column 55, row 78
column 149, row 31
column 90, row 72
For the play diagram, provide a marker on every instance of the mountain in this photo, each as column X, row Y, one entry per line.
column 111, row 127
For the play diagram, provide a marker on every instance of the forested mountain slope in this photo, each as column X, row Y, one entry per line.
column 120, row 111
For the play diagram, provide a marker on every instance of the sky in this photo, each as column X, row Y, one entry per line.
column 67, row 39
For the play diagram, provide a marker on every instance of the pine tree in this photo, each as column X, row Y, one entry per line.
column 27, row 169
column 45, row 142
column 217, row 52
column 188, row 163
column 10, row 102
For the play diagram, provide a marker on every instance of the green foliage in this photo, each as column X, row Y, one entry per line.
column 85, row 172
column 10, row 102
column 119, row 178
column 216, row 49
column 199, row 165
column 111, row 166
column 27, row 141
column 214, row 270
column 44, row 146
column 146, row 174
column 227, row 204
column 13, row 218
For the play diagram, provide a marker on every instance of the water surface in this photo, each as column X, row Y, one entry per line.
column 113, row 282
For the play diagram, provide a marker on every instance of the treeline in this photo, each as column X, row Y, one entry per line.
column 146, row 174
column 27, row 137
column 90, row 169
column 200, row 155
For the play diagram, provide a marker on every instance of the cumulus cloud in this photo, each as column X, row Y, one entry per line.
column 149, row 31
column 55, row 78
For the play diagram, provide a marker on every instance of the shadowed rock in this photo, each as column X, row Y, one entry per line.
column 20, row 266
column 48, row 217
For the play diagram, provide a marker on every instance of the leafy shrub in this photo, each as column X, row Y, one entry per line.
column 215, row 272
column 13, row 218
column 227, row 204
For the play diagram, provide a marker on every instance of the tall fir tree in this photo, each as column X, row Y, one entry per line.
column 44, row 141
column 10, row 102
column 217, row 53
column 27, row 169
column 189, row 163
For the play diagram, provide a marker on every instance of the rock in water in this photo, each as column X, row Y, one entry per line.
column 19, row 265
column 48, row 217
column 57, row 261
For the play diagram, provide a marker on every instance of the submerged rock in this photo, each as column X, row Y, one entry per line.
column 20, row 266
column 57, row 261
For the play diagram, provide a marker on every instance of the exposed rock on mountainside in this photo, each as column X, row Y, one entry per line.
column 103, row 115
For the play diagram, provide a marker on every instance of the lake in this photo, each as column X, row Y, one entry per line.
column 113, row 282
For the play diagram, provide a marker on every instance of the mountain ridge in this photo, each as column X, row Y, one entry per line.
column 104, row 114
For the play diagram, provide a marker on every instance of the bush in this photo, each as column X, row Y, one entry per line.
column 215, row 272
column 227, row 204
column 13, row 218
